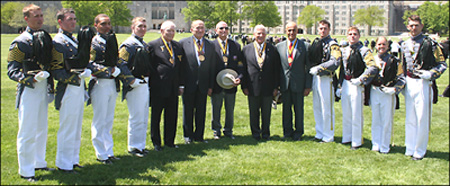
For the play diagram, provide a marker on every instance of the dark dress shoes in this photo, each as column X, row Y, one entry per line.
column 355, row 147
column 113, row 158
column 44, row 169
column 68, row 171
column 173, row 146
column 77, row 165
column 416, row 159
column 158, row 148
column 29, row 178
column 137, row 153
column 105, row 162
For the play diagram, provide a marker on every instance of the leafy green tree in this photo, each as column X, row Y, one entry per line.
column 12, row 14
column 86, row 11
column 261, row 12
column 310, row 15
column 201, row 10
column 370, row 16
column 50, row 16
column 226, row 11
column 434, row 16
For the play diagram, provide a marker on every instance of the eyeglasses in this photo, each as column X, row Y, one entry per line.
column 221, row 28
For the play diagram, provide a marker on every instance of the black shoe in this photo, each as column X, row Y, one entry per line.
column 137, row 153
column 416, row 159
column 113, row 158
column 158, row 148
column 346, row 143
column 356, row 147
column 316, row 139
column 106, row 162
column 201, row 141
column 266, row 138
column 68, row 171
column 173, row 146
column 78, row 165
column 29, row 178
column 45, row 169
column 230, row 136
column 257, row 138
column 383, row 152
column 145, row 151
column 297, row 139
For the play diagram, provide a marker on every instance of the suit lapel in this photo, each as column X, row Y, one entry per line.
column 253, row 56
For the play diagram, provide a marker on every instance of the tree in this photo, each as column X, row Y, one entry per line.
column 434, row 16
column 87, row 10
column 50, row 16
column 226, row 11
column 201, row 10
column 262, row 12
column 310, row 15
column 12, row 14
column 370, row 16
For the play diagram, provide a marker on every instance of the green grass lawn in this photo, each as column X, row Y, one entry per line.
column 240, row 161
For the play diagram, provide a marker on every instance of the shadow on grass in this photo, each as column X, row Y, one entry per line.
column 135, row 169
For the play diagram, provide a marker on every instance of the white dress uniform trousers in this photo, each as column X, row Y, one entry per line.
column 323, row 100
column 352, row 113
column 418, row 100
column 70, row 122
column 138, row 105
column 382, row 105
column 32, row 134
column 103, row 98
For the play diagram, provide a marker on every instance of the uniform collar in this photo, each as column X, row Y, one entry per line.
column 382, row 56
column 68, row 34
column 138, row 38
column 356, row 45
column 418, row 37
column 31, row 31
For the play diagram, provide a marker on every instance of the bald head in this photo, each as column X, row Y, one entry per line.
column 291, row 30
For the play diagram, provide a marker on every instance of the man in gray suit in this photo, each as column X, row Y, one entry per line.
column 199, row 81
column 295, row 81
column 261, row 80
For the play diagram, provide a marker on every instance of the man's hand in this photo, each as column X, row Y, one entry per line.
column 338, row 92
column 355, row 81
column 388, row 90
column 115, row 72
column 425, row 74
column 314, row 70
column 307, row 91
column 209, row 91
column 245, row 91
column 42, row 75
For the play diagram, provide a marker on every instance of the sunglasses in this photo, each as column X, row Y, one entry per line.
column 221, row 28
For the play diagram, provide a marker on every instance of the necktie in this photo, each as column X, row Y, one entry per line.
column 290, row 55
column 223, row 43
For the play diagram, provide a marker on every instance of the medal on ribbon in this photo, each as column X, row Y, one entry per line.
column 168, row 49
column 201, row 57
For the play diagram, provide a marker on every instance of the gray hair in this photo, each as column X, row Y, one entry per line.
column 257, row 27
column 167, row 24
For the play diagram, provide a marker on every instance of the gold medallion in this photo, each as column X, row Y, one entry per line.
column 201, row 57
column 171, row 60
column 260, row 60
column 290, row 60
column 225, row 59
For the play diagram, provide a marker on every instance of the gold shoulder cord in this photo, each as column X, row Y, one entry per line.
column 123, row 54
column 15, row 54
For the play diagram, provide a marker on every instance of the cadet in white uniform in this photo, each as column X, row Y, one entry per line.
column 389, row 82
column 424, row 63
column 32, row 101
column 358, row 68
column 328, row 60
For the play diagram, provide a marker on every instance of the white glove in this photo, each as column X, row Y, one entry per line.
column 42, row 75
column 314, row 70
column 388, row 90
column 116, row 71
column 425, row 74
column 137, row 83
column 85, row 74
column 355, row 81
column 338, row 92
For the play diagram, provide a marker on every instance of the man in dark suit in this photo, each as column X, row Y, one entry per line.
column 261, row 81
column 199, row 81
column 295, row 81
column 166, row 84
column 230, row 56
